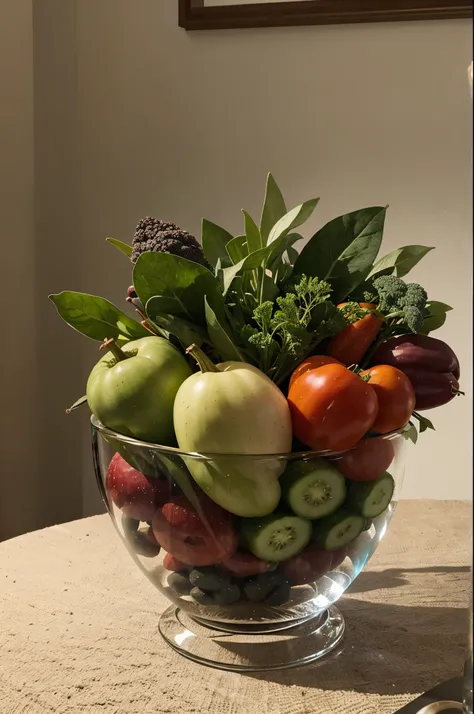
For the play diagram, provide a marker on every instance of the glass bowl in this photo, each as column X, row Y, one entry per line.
column 249, row 591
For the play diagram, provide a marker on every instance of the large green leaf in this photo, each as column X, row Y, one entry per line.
column 274, row 208
column 252, row 233
column 180, row 284
column 96, row 317
column 344, row 250
column 214, row 241
column 186, row 332
column 237, row 249
column 124, row 248
column 436, row 316
column 294, row 218
column 399, row 262
column 220, row 337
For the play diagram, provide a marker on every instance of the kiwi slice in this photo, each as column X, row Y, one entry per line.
column 276, row 537
column 313, row 489
column 371, row 498
column 338, row 529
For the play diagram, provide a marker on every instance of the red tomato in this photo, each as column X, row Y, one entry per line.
column 338, row 557
column 170, row 563
column 136, row 495
column 331, row 408
column 395, row 395
column 367, row 461
column 312, row 363
column 245, row 564
column 196, row 539
column 308, row 566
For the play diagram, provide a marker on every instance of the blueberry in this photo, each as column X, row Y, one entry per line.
column 280, row 595
column 201, row 597
column 129, row 525
column 259, row 586
column 208, row 579
column 228, row 595
column 180, row 583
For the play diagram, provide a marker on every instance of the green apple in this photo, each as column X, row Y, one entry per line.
column 132, row 389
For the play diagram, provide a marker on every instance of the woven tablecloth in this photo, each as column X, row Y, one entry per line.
column 78, row 630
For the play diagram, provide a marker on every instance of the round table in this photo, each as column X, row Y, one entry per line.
column 79, row 628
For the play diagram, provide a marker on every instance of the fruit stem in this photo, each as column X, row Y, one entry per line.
column 204, row 363
column 457, row 392
column 113, row 347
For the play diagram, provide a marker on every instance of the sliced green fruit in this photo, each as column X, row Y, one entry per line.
column 277, row 537
column 313, row 489
column 338, row 529
column 371, row 498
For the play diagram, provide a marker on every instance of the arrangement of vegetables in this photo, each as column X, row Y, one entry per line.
column 246, row 346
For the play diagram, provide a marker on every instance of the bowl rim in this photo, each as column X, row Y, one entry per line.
column 208, row 456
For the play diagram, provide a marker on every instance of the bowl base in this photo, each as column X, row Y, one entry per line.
column 249, row 649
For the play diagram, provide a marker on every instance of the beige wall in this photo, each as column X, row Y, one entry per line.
column 18, row 484
column 185, row 125
column 41, row 464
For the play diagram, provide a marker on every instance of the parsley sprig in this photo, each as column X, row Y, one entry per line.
column 285, row 332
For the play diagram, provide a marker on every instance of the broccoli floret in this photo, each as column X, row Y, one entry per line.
column 391, row 291
column 415, row 296
column 370, row 297
column 401, row 302
column 413, row 318
column 153, row 235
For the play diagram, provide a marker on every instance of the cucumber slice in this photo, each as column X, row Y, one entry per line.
column 371, row 498
column 276, row 537
column 338, row 530
column 313, row 489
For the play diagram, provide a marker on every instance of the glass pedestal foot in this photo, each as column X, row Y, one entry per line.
column 252, row 648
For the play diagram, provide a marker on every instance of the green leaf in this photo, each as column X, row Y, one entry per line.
column 252, row 233
column 264, row 257
column 436, row 316
column 79, row 403
column 214, row 241
column 399, row 262
column 180, row 285
column 274, row 208
column 237, row 249
column 424, row 422
column 294, row 218
column 220, row 338
column 410, row 432
column 250, row 262
column 186, row 332
column 124, row 248
column 96, row 317
column 343, row 251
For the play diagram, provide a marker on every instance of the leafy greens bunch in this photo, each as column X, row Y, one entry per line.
column 256, row 297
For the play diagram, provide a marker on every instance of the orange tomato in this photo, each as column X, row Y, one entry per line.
column 312, row 363
column 395, row 395
column 331, row 408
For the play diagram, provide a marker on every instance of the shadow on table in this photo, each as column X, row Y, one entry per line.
column 387, row 649
column 396, row 577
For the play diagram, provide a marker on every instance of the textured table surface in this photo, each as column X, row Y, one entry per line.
column 79, row 628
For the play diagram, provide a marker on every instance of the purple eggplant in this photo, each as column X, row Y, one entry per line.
column 430, row 364
column 418, row 352
column 432, row 389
